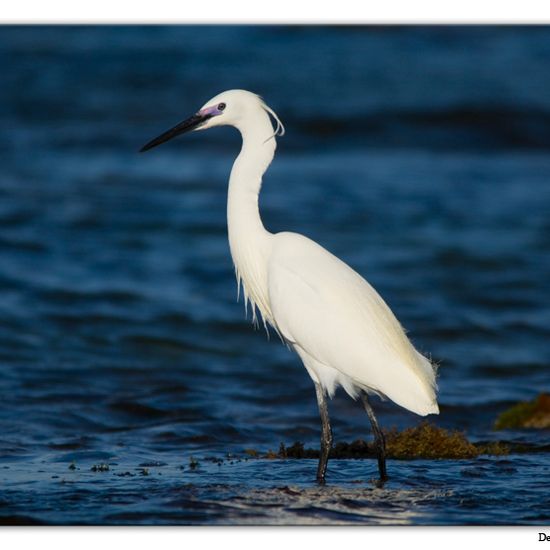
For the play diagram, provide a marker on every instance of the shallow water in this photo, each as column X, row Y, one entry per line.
column 274, row 492
column 121, row 338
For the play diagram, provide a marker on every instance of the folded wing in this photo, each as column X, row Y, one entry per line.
column 322, row 305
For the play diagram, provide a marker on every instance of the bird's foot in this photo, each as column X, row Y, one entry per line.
column 380, row 482
column 321, row 480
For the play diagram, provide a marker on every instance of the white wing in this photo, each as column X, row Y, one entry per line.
column 324, row 307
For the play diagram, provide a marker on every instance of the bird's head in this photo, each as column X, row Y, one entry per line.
column 232, row 108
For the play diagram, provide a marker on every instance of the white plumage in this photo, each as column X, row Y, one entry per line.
column 337, row 323
column 342, row 329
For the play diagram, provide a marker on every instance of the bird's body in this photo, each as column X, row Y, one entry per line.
column 336, row 322
column 345, row 333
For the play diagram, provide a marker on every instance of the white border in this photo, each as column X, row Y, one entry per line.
column 268, row 12
column 276, row 11
column 252, row 538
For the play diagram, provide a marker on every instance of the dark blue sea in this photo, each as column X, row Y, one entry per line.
column 131, row 382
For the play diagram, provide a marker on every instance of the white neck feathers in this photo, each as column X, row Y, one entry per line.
column 249, row 241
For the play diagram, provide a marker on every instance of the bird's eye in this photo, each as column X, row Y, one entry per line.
column 221, row 106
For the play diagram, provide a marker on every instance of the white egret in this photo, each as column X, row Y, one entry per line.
column 343, row 331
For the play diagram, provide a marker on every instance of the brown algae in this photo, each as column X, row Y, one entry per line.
column 423, row 441
column 526, row 414
column 430, row 441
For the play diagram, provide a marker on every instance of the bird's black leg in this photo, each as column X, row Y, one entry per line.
column 378, row 439
column 326, row 435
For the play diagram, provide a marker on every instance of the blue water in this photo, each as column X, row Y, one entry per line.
column 419, row 155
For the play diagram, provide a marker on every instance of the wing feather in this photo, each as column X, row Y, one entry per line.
column 330, row 311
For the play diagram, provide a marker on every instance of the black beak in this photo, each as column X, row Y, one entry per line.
column 186, row 126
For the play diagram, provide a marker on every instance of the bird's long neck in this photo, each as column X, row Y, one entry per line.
column 248, row 239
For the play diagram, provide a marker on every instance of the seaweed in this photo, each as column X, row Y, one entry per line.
column 102, row 467
column 430, row 441
column 526, row 414
column 423, row 441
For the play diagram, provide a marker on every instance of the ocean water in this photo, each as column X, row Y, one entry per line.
column 419, row 155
